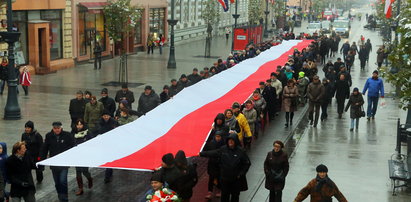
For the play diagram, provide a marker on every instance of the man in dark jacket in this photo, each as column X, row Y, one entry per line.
column 315, row 93
column 194, row 77
column 328, row 94
column 184, row 82
column 363, row 55
column 105, row 124
column 342, row 92
column 18, row 168
column 174, row 88
column 234, row 165
column 189, row 176
column 170, row 172
column 56, row 142
column 148, row 101
column 165, row 95
column 34, row 142
column 77, row 107
column 213, row 166
column 108, row 102
column 338, row 64
column 97, row 56
column 345, row 48
column 125, row 94
column 270, row 96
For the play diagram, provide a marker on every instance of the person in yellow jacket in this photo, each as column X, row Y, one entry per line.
column 245, row 134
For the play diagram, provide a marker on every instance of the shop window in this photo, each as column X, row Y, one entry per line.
column 56, row 34
column 20, row 25
column 82, row 33
column 157, row 18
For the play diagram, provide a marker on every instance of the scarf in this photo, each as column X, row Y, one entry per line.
column 256, row 97
column 81, row 134
column 321, row 182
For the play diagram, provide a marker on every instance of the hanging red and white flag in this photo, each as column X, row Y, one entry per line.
column 388, row 8
column 181, row 123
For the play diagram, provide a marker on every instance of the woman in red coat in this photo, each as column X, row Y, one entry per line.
column 25, row 80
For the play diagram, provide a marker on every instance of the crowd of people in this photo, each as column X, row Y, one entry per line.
column 290, row 86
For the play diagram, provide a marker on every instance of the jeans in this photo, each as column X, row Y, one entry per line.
column 29, row 198
column 230, row 188
column 355, row 122
column 160, row 47
column 275, row 196
column 372, row 106
column 60, row 182
column 314, row 107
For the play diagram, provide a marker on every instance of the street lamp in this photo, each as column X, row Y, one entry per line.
column 12, row 109
column 235, row 16
column 266, row 12
column 172, row 22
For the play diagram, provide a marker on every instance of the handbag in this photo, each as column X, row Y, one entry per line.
column 362, row 112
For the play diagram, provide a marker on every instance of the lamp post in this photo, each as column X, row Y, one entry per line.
column 172, row 22
column 235, row 16
column 12, row 109
column 266, row 12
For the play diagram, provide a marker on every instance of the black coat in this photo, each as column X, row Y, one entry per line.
column 276, row 162
column 194, row 78
column 213, row 166
column 56, row 144
column 128, row 95
column 104, row 126
column 172, row 177
column 109, row 104
column 174, row 90
column 328, row 93
column 187, row 181
column 34, row 142
column 342, row 90
column 19, row 172
column 164, row 97
column 337, row 66
column 234, row 162
column 77, row 108
column 147, row 103
column 355, row 111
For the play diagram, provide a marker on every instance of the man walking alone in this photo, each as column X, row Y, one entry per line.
column 315, row 93
column 375, row 86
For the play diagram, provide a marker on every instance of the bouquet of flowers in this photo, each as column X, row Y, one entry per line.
column 163, row 195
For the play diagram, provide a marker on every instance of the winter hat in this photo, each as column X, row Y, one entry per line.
column 29, row 124
column 104, row 91
column 148, row 88
column 356, row 90
column 106, row 112
column 301, row 74
column 124, row 85
column 181, row 157
column 235, row 105
column 273, row 74
column 321, row 168
column 166, row 87
column 168, row 159
column 57, row 124
column 183, row 76
column 157, row 177
column 375, row 72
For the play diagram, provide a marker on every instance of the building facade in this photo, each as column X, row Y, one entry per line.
column 190, row 24
column 46, row 34
column 89, row 27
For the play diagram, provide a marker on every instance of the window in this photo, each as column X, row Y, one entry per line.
column 157, row 21
column 20, row 22
column 82, row 33
column 137, row 32
column 56, row 42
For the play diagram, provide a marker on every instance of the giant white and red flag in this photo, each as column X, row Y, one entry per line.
column 182, row 123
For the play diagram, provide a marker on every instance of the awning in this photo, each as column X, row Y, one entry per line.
column 93, row 7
